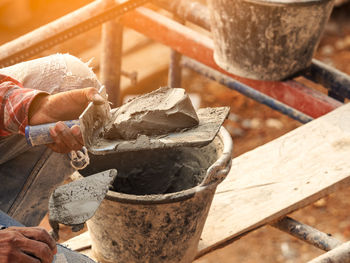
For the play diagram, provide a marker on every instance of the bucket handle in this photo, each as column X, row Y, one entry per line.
column 219, row 170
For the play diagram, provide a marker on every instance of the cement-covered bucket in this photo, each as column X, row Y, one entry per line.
column 160, row 203
column 267, row 39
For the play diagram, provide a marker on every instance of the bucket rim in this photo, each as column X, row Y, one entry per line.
column 209, row 181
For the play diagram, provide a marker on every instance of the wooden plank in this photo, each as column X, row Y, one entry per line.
column 79, row 242
column 279, row 177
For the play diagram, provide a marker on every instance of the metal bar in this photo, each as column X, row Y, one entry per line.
column 334, row 80
column 174, row 76
column 340, row 254
column 307, row 233
column 111, row 58
column 199, row 47
column 192, row 11
column 245, row 90
column 62, row 29
column 130, row 75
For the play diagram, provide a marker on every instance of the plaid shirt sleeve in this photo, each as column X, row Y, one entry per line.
column 14, row 105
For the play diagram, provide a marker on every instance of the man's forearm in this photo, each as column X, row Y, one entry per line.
column 15, row 101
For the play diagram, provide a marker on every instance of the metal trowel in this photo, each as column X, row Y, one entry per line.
column 74, row 203
column 92, row 120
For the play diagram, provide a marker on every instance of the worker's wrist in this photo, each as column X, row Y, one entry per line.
column 35, row 113
column 2, row 227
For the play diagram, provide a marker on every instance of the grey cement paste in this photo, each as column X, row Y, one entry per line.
column 159, row 112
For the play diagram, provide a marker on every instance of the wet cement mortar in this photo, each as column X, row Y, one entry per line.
column 159, row 112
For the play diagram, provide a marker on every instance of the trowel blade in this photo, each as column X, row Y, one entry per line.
column 210, row 121
column 94, row 119
column 76, row 202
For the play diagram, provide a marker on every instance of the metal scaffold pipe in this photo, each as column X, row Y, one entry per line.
column 340, row 254
column 62, row 29
column 111, row 57
column 307, row 233
column 192, row 11
column 246, row 90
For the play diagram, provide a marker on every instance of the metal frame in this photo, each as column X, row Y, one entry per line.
column 111, row 57
column 194, row 50
column 245, row 90
column 200, row 48
column 307, row 233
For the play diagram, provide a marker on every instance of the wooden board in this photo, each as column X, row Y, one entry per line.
column 79, row 243
column 280, row 177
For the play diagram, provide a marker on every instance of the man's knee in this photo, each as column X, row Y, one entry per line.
column 73, row 73
column 55, row 73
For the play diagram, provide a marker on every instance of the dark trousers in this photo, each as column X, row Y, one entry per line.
column 28, row 175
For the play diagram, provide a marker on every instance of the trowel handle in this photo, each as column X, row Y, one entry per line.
column 40, row 134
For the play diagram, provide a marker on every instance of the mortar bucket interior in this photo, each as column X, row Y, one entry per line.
column 157, row 171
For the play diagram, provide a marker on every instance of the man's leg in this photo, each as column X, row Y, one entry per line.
column 29, row 174
column 64, row 255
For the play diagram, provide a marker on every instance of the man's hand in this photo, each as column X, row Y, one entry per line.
column 26, row 245
column 61, row 107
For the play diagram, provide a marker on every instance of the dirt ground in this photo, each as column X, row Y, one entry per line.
column 252, row 124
